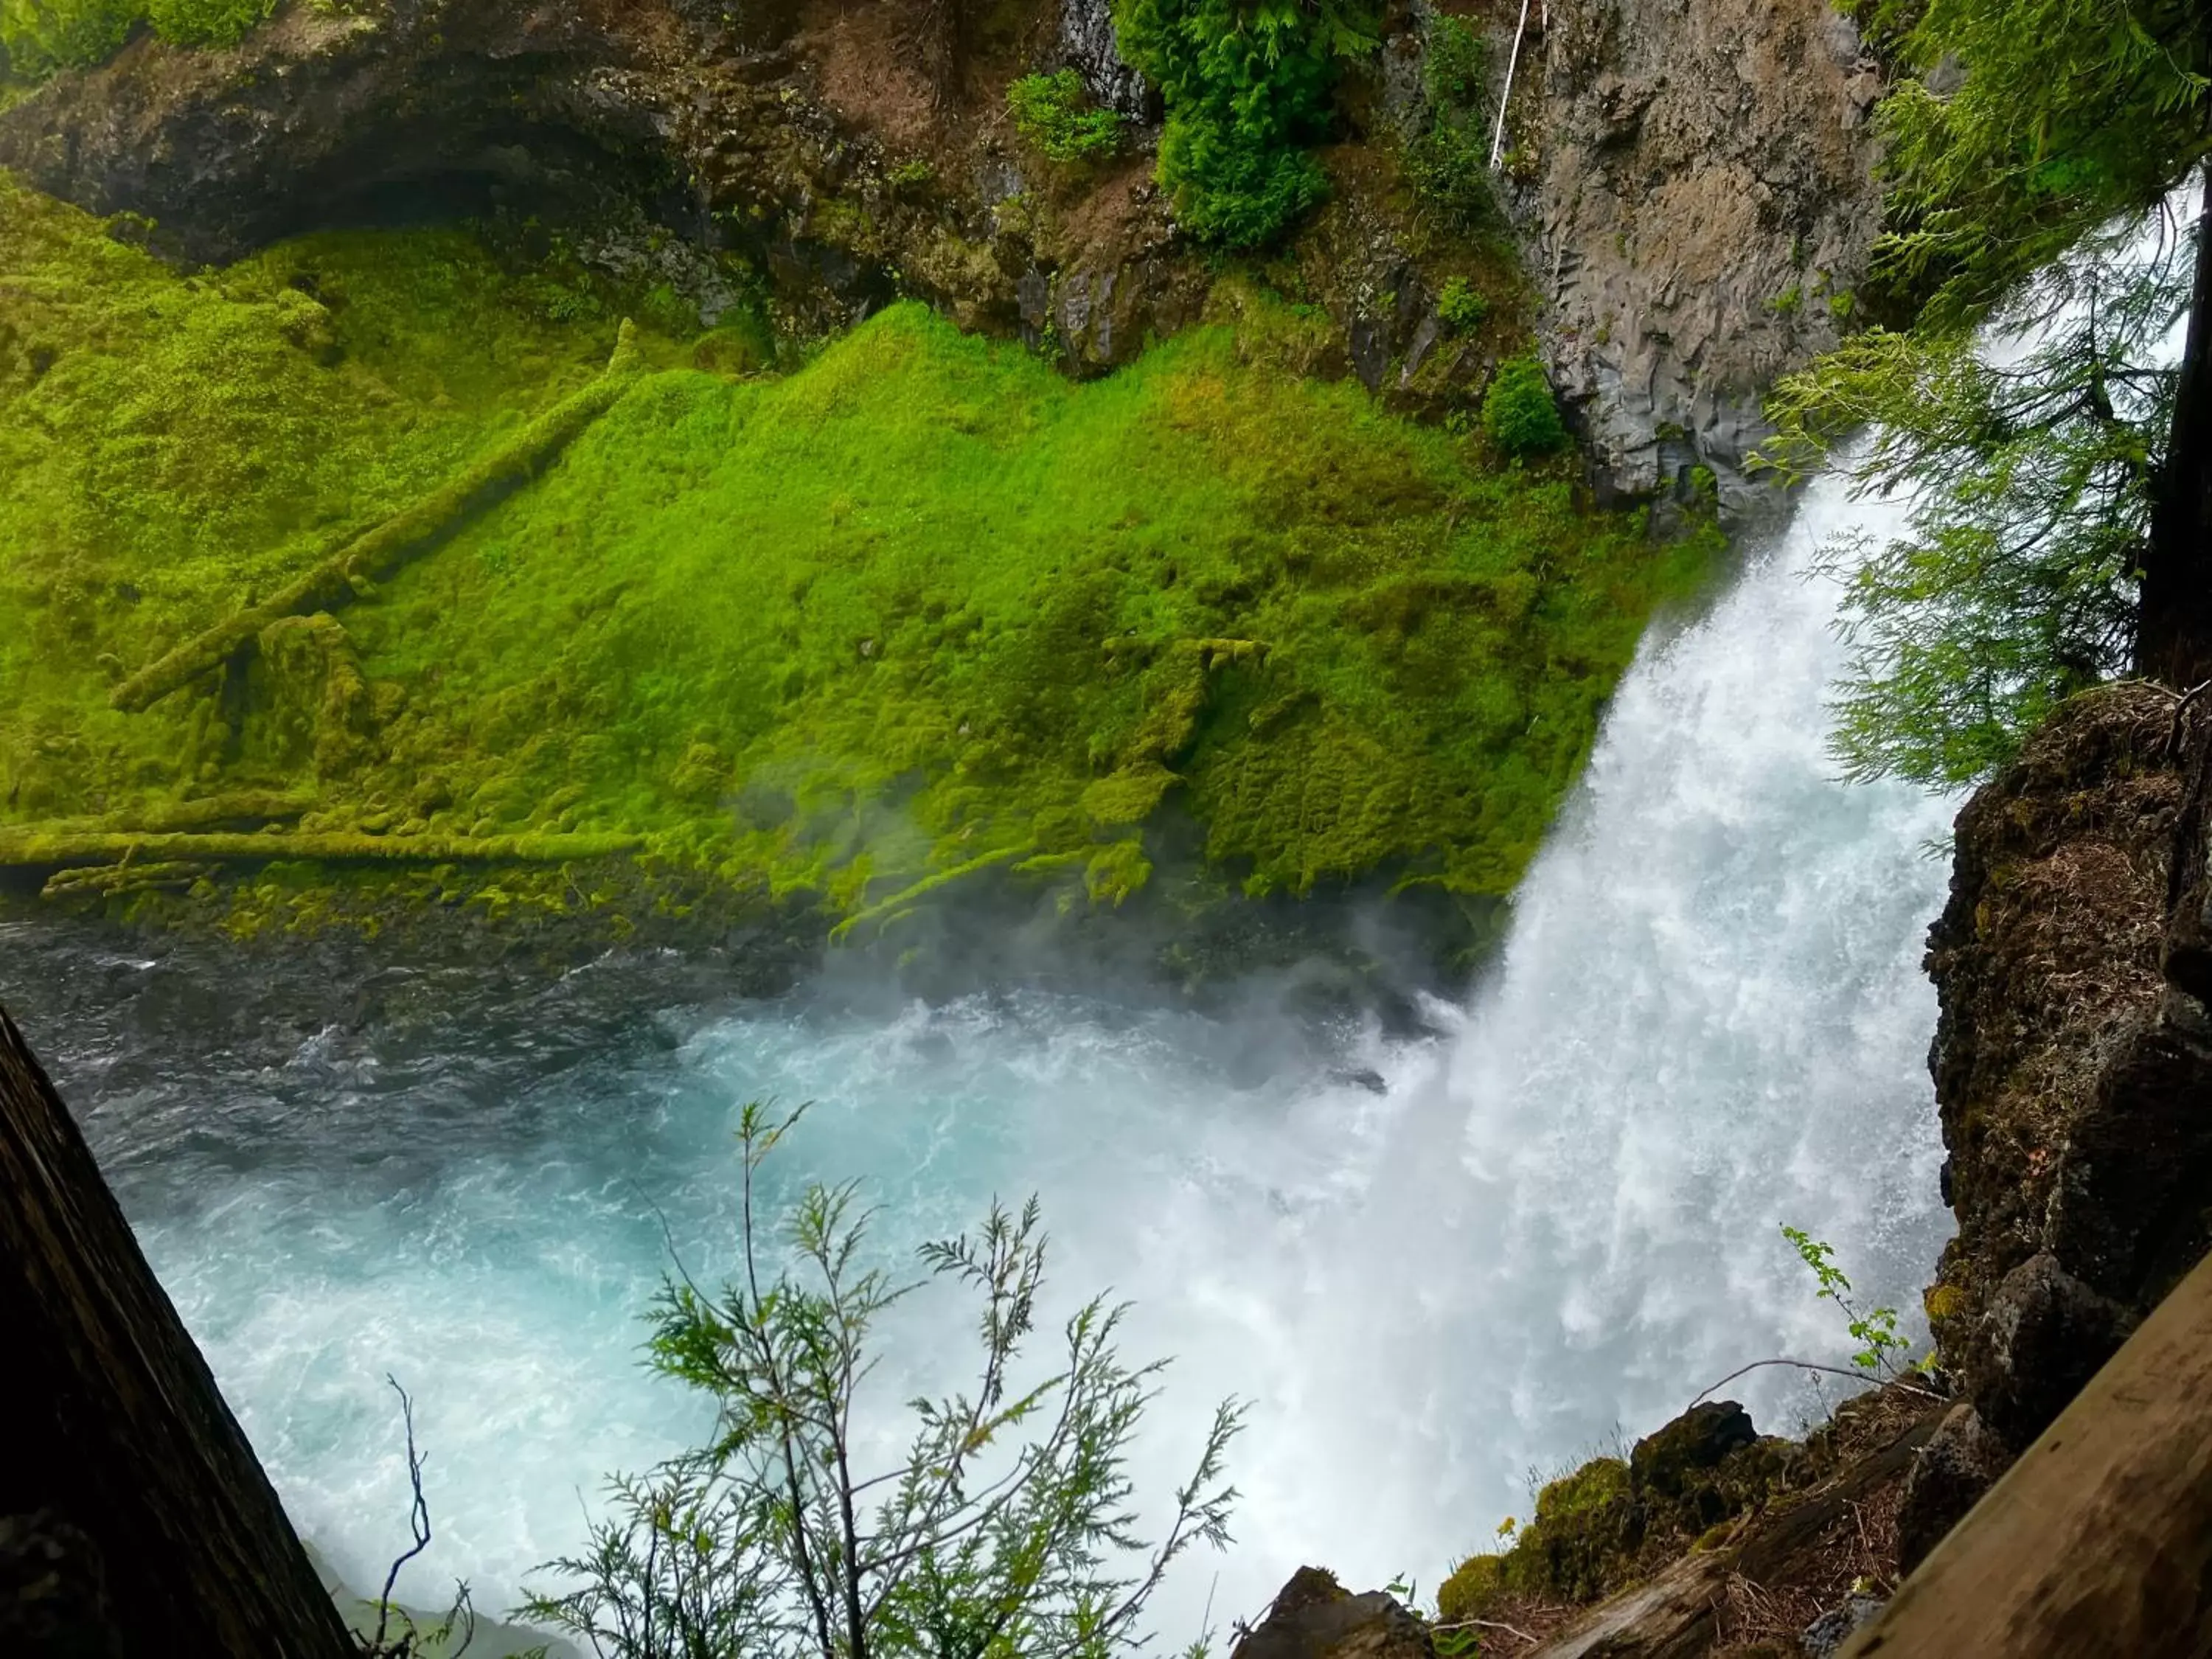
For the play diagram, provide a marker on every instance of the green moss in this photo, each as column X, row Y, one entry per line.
column 1473, row 1588
column 1581, row 1545
column 921, row 608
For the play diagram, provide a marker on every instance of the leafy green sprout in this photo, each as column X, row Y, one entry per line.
column 1462, row 308
column 1881, row 1350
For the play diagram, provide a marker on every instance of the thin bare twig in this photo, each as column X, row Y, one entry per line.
column 1486, row 1624
column 418, row 1516
column 1807, row 1366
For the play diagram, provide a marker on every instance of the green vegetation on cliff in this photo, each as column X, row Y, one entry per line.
column 2061, row 531
column 1248, row 85
column 40, row 36
column 919, row 609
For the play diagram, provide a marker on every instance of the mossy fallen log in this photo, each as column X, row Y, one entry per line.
column 39, row 849
column 242, row 807
column 378, row 554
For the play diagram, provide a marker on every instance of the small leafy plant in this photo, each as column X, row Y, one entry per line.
column 1882, row 1350
column 1006, row 1528
column 1448, row 163
column 1462, row 308
column 1053, row 114
column 1518, row 411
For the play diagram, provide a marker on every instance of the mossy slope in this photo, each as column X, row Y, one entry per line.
column 920, row 607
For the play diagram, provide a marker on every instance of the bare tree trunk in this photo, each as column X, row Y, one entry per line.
column 2173, row 642
column 117, row 1428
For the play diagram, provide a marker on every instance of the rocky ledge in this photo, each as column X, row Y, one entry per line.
column 1692, row 183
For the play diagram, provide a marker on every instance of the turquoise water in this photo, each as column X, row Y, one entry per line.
column 1435, row 1265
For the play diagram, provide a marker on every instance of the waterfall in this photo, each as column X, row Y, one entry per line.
column 1431, row 1267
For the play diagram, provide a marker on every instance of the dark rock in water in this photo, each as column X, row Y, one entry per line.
column 53, row 1597
column 1827, row 1635
column 1314, row 1617
column 1962, row 1461
column 1665, row 1463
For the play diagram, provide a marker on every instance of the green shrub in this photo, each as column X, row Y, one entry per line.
column 207, row 23
column 1052, row 114
column 1246, row 85
column 741, row 1545
column 1518, row 411
column 1462, row 308
column 38, row 37
column 1448, row 164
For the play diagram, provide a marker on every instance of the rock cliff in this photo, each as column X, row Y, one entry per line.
column 2072, row 1065
column 1697, row 186
column 1693, row 180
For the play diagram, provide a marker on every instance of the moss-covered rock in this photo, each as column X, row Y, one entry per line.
column 917, row 617
column 1612, row 1521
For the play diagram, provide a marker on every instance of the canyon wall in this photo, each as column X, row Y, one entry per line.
column 1690, row 184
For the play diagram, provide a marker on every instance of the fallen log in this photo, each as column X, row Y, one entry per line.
column 378, row 554
column 2099, row 1539
column 121, row 1443
column 43, row 850
column 243, row 807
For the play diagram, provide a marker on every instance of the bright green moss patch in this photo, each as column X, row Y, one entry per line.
column 919, row 612
column 40, row 36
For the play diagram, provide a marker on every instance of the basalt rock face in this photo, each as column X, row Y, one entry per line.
column 805, row 141
column 1698, row 191
column 2073, row 1065
column 1697, row 165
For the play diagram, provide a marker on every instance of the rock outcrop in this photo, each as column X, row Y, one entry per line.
column 1708, row 1539
column 2073, row 1065
column 1314, row 1617
column 1698, row 195
column 1698, row 189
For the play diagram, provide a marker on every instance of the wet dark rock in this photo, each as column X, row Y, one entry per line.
column 2043, row 1334
column 1087, row 38
column 1667, row 1462
column 2072, row 1061
column 1314, row 1617
column 1962, row 1461
column 1827, row 1635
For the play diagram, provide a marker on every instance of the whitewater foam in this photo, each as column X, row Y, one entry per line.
column 1554, row 1225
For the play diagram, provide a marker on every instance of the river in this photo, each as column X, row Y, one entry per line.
column 1436, row 1266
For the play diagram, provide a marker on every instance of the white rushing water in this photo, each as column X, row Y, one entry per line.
column 1555, row 1226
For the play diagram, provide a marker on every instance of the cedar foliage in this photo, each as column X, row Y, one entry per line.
column 2038, row 193
column 1246, row 85
column 1007, row 1526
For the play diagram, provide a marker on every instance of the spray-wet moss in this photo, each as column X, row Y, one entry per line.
column 920, row 607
